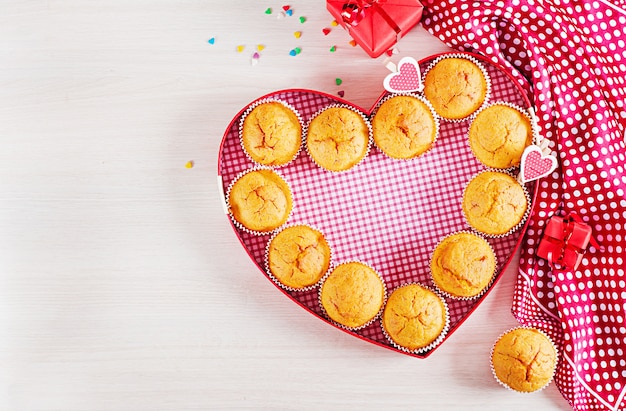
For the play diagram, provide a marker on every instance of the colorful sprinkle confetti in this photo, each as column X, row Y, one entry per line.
column 302, row 19
column 268, row 10
column 389, row 52
column 297, row 34
column 212, row 40
column 326, row 31
column 338, row 81
column 240, row 48
column 341, row 93
column 189, row 164
column 289, row 12
column 298, row 50
column 286, row 8
column 334, row 23
column 260, row 47
column 292, row 52
column 333, row 49
column 256, row 55
column 353, row 43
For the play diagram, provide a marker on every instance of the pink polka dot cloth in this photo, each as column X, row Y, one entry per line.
column 571, row 58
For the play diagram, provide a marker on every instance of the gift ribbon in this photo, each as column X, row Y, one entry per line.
column 354, row 11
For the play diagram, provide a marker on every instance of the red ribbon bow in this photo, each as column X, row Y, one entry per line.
column 353, row 11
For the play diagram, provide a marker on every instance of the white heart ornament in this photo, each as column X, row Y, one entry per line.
column 535, row 164
column 406, row 79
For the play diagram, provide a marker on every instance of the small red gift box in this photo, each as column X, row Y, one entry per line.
column 376, row 25
column 564, row 241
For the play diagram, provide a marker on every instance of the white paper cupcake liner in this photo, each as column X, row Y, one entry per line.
column 369, row 139
column 432, row 112
column 515, row 227
column 288, row 106
column 374, row 318
column 279, row 282
column 484, row 290
column 523, row 111
column 482, row 69
column 239, row 225
column 502, row 383
column 439, row 338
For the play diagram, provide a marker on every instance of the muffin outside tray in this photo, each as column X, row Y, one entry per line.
column 365, row 211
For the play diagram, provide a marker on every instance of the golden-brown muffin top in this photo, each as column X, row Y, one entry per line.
column 414, row 316
column 456, row 87
column 498, row 136
column 524, row 359
column 352, row 294
column 260, row 200
column 404, row 127
column 298, row 256
column 271, row 134
column 463, row 265
column 337, row 139
column 494, row 203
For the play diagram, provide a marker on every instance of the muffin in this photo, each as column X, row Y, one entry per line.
column 414, row 317
column 498, row 136
column 404, row 127
column 352, row 295
column 494, row 203
column 271, row 134
column 524, row 359
column 298, row 256
column 260, row 200
column 338, row 138
column 462, row 265
column 456, row 87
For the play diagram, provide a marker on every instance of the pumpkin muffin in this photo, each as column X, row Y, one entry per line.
column 271, row 134
column 260, row 200
column 462, row 265
column 498, row 136
column 338, row 138
column 456, row 87
column 414, row 317
column 352, row 294
column 494, row 203
column 298, row 256
column 404, row 127
column 524, row 359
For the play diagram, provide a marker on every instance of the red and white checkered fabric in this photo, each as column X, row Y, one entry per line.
column 571, row 55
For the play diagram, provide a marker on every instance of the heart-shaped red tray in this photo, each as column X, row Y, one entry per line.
column 387, row 213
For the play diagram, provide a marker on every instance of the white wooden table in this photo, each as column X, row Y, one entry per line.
column 122, row 284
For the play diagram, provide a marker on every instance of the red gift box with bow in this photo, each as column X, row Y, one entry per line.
column 376, row 25
column 564, row 241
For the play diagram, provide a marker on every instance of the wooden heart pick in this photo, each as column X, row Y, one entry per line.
column 535, row 164
column 406, row 79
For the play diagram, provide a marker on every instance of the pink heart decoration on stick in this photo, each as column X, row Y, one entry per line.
column 535, row 165
column 406, row 79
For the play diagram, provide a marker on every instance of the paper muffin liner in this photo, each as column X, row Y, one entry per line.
column 374, row 318
column 432, row 112
column 276, row 280
column 288, row 106
column 515, row 227
column 482, row 69
column 439, row 338
column 240, row 225
column 529, row 115
column 484, row 290
column 369, row 138
column 502, row 383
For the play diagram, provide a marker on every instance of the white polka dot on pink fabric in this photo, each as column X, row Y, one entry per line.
column 573, row 54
